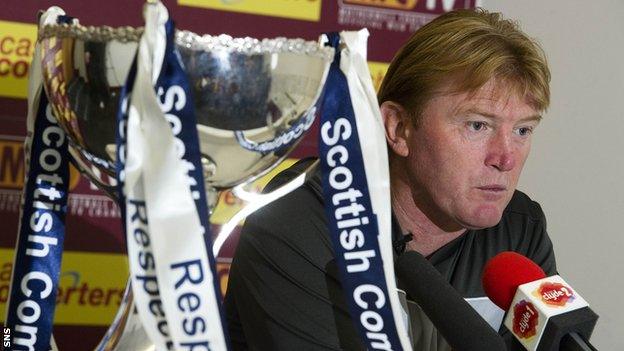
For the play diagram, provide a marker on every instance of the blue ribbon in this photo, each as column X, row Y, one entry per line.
column 41, row 233
column 353, row 225
column 121, row 134
column 39, row 247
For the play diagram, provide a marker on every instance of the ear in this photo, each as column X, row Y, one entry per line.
column 396, row 124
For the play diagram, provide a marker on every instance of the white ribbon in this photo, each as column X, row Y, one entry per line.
column 155, row 172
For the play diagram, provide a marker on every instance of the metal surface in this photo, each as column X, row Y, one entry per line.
column 253, row 99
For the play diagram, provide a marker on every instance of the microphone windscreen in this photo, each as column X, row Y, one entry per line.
column 504, row 273
column 462, row 327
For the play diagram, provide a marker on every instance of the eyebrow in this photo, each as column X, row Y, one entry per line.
column 537, row 118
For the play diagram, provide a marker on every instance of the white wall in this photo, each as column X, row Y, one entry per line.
column 576, row 169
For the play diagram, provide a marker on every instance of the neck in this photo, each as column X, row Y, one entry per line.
column 409, row 205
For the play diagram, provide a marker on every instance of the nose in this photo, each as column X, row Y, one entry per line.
column 500, row 153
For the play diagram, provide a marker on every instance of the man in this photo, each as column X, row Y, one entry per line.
column 459, row 103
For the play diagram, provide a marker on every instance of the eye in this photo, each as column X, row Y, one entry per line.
column 477, row 126
column 524, row 131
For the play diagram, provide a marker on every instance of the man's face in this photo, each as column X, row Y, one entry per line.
column 466, row 155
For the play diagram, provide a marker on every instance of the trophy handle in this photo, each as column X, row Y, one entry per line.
column 256, row 201
column 115, row 331
column 53, row 346
column 126, row 332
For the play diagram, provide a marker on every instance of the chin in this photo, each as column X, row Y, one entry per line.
column 484, row 217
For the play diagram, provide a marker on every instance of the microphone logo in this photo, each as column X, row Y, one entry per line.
column 554, row 294
column 525, row 318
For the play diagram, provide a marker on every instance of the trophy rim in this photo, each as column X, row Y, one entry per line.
column 213, row 45
column 90, row 33
column 191, row 40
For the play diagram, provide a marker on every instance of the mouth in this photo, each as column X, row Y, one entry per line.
column 493, row 192
column 495, row 188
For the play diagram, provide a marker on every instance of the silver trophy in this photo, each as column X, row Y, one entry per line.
column 254, row 99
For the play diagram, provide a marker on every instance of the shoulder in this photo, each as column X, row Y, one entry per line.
column 523, row 221
column 523, row 226
column 292, row 228
column 301, row 206
column 283, row 263
column 521, row 205
column 312, row 185
column 522, row 229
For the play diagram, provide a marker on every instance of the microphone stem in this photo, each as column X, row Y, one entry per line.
column 575, row 342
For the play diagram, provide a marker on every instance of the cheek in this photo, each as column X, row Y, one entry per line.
column 443, row 169
column 524, row 154
column 462, row 167
column 521, row 158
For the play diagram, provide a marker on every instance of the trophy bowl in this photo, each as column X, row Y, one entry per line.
column 253, row 99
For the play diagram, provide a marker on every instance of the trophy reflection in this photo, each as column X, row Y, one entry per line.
column 254, row 99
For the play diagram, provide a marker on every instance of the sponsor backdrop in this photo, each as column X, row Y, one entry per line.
column 94, row 269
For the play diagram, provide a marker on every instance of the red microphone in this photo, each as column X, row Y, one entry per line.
column 543, row 313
